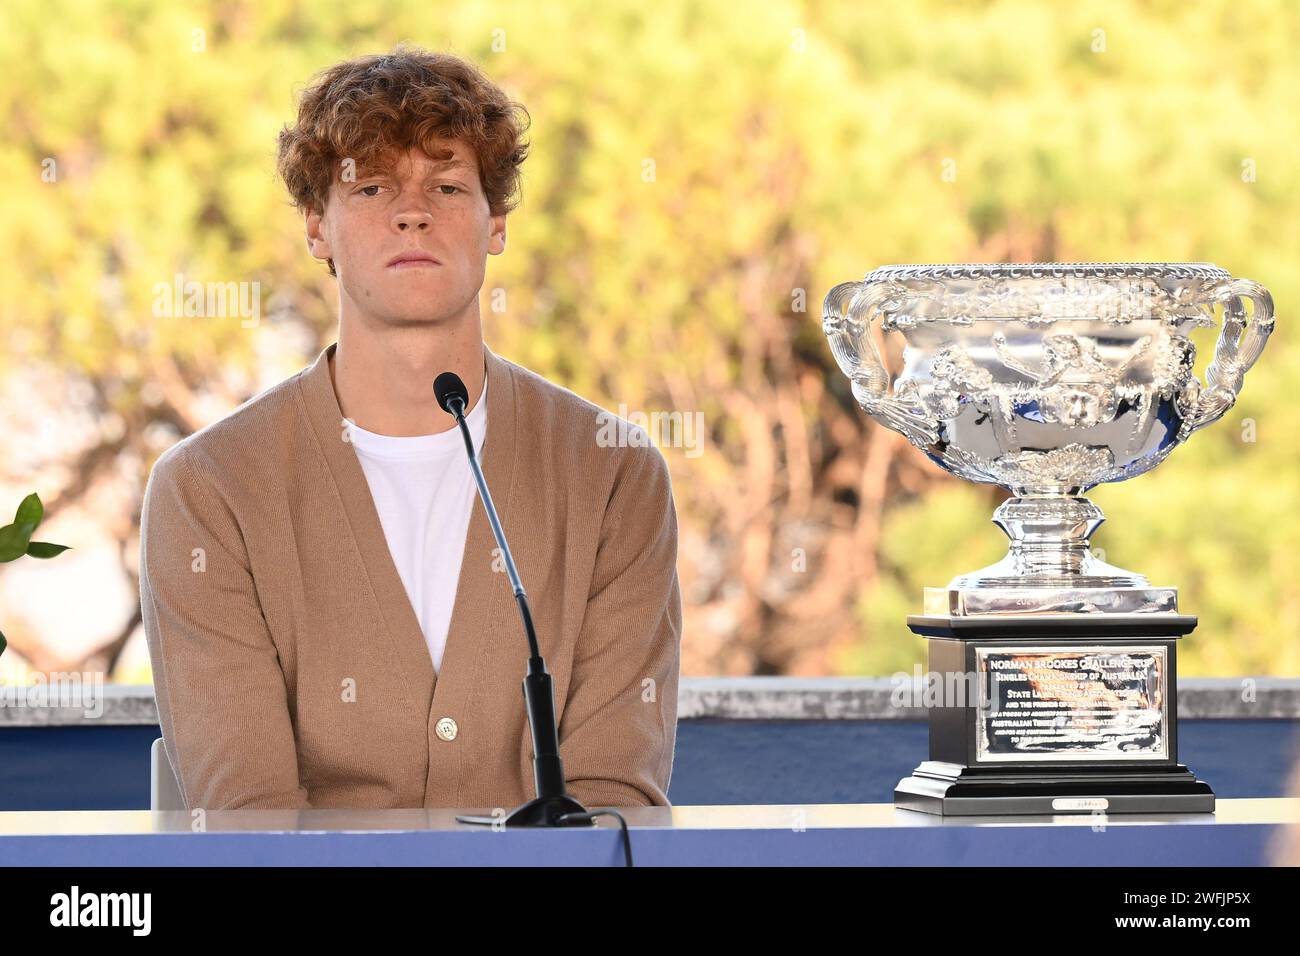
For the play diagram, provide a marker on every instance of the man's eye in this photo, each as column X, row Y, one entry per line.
column 363, row 189
column 454, row 189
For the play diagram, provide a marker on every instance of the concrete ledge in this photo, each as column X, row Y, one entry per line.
column 732, row 699
column 792, row 698
column 729, row 698
column 875, row 698
column 80, row 704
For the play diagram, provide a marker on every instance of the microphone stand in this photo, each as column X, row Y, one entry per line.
column 553, row 807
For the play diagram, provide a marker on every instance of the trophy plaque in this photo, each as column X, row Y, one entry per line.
column 1057, row 671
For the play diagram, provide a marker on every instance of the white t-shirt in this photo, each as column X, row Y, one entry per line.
column 424, row 491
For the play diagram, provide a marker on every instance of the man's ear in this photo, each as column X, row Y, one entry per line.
column 317, row 244
column 497, row 235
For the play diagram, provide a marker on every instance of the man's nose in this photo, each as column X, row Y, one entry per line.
column 417, row 219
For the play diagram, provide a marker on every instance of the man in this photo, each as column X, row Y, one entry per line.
column 328, row 619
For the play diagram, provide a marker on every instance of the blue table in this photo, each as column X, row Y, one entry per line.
column 1240, row 833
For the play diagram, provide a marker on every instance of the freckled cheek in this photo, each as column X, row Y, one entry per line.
column 361, row 238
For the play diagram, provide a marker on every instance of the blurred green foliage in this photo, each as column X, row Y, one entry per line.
column 16, row 538
column 792, row 146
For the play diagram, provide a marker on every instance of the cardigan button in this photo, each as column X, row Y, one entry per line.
column 446, row 728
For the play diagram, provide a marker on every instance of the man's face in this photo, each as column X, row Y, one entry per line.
column 420, row 207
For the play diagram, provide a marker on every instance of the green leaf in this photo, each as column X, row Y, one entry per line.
column 31, row 510
column 43, row 549
column 14, row 539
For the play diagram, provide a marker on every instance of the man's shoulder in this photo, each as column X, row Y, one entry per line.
column 578, row 430
column 540, row 397
column 245, row 438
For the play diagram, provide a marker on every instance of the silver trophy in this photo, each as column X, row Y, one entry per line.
column 1049, row 379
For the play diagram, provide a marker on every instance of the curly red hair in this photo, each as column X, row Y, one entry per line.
column 373, row 108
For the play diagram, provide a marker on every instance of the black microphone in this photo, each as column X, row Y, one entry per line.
column 553, row 807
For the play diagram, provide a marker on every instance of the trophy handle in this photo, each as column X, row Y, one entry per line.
column 1234, row 353
column 847, row 314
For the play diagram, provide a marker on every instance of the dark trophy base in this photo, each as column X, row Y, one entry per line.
column 1063, row 714
column 953, row 790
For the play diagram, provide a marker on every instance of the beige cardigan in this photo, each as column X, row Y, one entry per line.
column 289, row 667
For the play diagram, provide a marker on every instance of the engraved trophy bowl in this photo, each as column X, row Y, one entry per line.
column 1047, row 379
